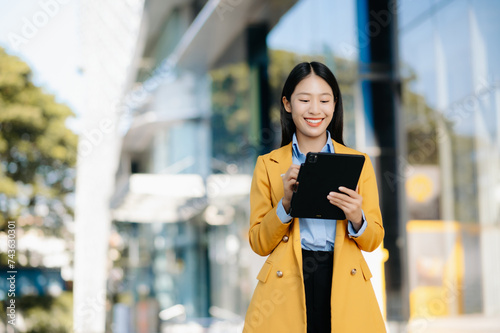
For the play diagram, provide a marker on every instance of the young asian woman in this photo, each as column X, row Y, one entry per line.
column 315, row 278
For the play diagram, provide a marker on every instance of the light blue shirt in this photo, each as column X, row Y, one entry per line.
column 316, row 234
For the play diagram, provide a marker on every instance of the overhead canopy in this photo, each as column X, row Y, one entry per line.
column 170, row 198
column 218, row 25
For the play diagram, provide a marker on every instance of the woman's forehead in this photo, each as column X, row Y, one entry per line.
column 313, row 85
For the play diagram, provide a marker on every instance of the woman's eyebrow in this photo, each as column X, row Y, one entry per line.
column 306, row 93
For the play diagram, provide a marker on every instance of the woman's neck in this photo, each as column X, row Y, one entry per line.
column 310, row 144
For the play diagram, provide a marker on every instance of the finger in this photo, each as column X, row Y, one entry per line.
column 340, row 196
column 292, row 172
column 346, row 208
column 336, row 201
column 344, row 201
column 339, row 205
column 348, row 191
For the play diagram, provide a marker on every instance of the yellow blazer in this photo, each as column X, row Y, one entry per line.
column 278, row 302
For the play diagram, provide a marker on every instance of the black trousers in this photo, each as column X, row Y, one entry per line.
column 318, row 268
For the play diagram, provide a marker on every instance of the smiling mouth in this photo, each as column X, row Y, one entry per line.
column 313, row 121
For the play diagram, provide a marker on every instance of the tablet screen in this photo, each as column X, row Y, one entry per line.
column 321, row 174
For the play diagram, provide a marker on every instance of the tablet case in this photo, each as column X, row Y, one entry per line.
column 321, row 174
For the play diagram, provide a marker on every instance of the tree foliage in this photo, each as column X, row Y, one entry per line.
column 37, row 150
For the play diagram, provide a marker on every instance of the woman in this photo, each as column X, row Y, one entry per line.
column 315, row 278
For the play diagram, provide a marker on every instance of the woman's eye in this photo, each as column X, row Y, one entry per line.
column 325, row 101
column 304, row 100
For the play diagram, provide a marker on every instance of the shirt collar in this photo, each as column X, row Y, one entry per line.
column 328, row 147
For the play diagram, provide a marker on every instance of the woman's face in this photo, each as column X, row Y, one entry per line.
column 312, row 106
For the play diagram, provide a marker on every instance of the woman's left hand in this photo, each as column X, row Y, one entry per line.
column 350, row 202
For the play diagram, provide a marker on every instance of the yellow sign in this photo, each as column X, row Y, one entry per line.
column 419, row 187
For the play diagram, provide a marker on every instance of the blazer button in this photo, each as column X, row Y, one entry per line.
column 353, row 271
column 285, row 238
column 279, row 274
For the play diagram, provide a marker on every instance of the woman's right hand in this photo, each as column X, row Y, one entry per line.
column 289, row 184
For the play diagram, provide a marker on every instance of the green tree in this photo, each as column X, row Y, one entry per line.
column 37, row 150
column 37, row 160
column 230, row 113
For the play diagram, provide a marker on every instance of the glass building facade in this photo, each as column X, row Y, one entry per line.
column 420, row 83
column 450, row 70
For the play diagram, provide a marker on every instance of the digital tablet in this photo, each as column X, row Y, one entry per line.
column 321, row 174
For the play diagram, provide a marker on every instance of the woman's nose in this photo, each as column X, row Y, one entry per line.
column 314, row 108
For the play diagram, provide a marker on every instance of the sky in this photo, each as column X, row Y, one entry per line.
column 51, row 50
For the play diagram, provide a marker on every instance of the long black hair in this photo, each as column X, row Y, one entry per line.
column 298, row 73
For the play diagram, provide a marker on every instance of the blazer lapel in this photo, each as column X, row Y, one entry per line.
column 340, row 149
column 280, row 161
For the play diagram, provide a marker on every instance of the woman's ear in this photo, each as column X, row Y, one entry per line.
column 286, row 104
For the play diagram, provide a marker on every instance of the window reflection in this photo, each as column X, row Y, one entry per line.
column 450, row 104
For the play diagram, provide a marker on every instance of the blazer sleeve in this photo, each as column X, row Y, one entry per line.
column 373, row 235
column 266, row 229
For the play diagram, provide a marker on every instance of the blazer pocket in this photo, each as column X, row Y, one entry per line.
column 264, row 271
column 367, row 274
